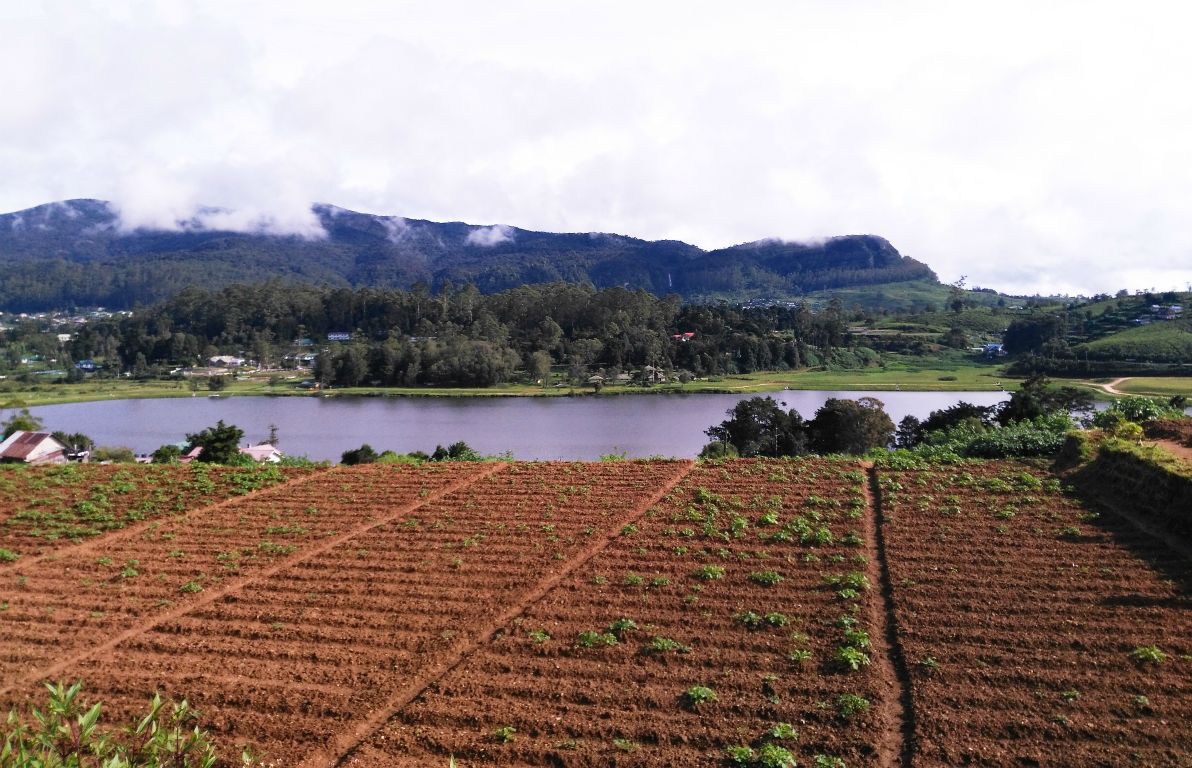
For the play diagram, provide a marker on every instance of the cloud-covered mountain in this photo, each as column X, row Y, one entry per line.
column 81, row 252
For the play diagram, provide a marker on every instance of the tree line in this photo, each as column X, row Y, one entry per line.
column 458, row 336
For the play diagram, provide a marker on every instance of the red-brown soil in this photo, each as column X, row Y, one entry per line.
column 623, row 705
column 397, row 580
column 1019, row 611
column 382, row 615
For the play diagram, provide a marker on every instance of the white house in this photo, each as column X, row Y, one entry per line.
column 263, row 452
column 225, row 361
column 32, row 448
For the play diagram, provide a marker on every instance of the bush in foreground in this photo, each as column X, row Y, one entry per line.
column 67, row 733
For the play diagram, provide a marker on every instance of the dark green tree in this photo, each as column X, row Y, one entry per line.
column 75, row 442
column 851, row 426
column 362, row 455
column 220, row 444
column 167, row 454
column 22, row 420
column 759, row 427
column 1039, row 397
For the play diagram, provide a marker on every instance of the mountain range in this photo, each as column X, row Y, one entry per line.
column 77, row 253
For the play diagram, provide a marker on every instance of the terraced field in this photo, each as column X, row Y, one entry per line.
column 747, row 613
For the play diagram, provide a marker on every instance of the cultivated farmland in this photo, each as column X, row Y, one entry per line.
column 643, row 613
column 1036, row 631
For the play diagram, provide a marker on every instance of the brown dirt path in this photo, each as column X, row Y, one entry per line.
column 1177, row 449
column 335, row 753
column 211, row 596
column 896, row 746
column 1111, row 387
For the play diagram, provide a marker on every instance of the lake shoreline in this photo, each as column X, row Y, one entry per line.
column 531, row 428
column 927, row 380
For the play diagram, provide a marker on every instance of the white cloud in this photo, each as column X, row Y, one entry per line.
column 490, row 236
column 1026, row 145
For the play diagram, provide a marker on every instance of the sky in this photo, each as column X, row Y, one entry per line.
column 1032, row 147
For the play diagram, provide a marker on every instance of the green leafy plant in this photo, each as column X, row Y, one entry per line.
column 591, row 638
column 849, row 705
column 775, row 619
column 828, row 761
column 622, row 627
column 750, row 619
column 775, row 756
column 505, row 734
column 698, row 695
column 538, row 635
column 765, row 578
column 783, row 732
column 850, row 658
column 633, row 580
column 7, row 555
column 740, row 755
column 66, row 733
column 709, row 573
column 858, row 638
column 666, row 645
column 1148, row 654
column 625, row 745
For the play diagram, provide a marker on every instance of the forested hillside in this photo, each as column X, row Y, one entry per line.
column 455, row 337
column 75, row 253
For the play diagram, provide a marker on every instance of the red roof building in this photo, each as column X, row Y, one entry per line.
column 32, row 448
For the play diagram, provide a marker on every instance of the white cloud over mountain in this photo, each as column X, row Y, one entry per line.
column 1030, row 146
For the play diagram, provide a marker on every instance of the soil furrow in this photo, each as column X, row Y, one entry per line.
column 896, row 746
column 91, row 545
column 211, row 596
column 340, row 748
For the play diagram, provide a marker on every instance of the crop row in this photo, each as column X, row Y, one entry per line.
column 1035, row 630
column 294, row 659
column 729, row 623
column 43, row 509
column 62, row 604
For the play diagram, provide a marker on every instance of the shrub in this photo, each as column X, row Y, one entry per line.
column 67, row 732
column 709, row 573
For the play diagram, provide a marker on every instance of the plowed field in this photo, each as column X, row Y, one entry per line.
column 1021, row 613
column 643, row 613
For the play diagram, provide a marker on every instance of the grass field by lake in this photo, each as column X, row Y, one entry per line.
column 1162, row 386
column 907, row 374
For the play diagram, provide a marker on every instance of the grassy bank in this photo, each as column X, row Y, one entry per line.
column 899, row 374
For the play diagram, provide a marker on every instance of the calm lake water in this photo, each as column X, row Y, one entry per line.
column 530, row 427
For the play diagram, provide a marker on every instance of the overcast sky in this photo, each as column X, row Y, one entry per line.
column 1032, row 146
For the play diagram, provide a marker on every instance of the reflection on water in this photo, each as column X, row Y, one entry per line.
column 529, row 427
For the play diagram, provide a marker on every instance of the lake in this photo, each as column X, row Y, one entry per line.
column 530, row 427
